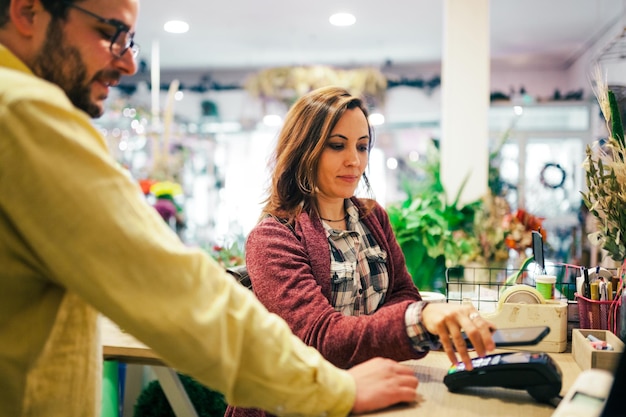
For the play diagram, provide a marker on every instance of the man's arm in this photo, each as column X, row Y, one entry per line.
column 88, row 230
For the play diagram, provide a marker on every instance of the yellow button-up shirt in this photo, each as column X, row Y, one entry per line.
column 77, row 238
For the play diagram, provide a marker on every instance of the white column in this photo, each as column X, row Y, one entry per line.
column 465, row 98
column 155, row 80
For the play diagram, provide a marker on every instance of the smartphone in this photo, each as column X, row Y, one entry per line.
column 516, row 336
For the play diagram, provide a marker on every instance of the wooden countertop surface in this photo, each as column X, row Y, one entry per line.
column 434, row 399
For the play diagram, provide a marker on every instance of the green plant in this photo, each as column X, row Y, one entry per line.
column 433, row 233
column 228, row 254
column 153, row 403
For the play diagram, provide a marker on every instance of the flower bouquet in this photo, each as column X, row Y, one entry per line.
column 498, row 230
column 605, row 173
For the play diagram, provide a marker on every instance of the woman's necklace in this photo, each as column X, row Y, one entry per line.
column 335, row 221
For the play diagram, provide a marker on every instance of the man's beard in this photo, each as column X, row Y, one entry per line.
column 62, row 65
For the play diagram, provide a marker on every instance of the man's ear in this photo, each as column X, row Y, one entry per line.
column 22, row 15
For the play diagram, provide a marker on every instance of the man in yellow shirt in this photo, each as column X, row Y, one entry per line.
column 77, row 239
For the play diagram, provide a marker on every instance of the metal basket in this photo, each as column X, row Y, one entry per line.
column 596, row 314
column 483, row 285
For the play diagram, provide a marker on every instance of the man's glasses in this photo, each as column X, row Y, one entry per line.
column 122, row 39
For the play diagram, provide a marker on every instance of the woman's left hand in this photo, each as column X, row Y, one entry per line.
column 448, row 320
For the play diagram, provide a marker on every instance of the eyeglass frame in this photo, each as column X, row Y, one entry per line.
column 120, row 27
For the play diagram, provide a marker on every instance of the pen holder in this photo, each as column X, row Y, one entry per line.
column 595, row 314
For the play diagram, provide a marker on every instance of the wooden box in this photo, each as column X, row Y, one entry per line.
column 587, row 357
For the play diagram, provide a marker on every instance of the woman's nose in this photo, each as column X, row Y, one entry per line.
column 352, row 157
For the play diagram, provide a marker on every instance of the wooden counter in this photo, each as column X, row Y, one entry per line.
column 122, row 347
column 434, row 399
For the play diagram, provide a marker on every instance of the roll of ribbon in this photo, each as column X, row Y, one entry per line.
column 521, row 294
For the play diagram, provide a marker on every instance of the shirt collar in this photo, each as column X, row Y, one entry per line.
column 353, row 217
column 352, row 211
column 9, row 60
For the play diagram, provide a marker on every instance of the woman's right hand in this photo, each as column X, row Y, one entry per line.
column 381, row 383
column 450, row 321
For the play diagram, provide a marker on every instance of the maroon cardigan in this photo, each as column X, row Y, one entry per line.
column 290, row 274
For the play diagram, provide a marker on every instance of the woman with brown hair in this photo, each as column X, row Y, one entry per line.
column 328, row 262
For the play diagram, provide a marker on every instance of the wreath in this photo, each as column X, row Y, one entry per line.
column 555, row 175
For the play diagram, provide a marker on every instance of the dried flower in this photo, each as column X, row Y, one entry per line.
column 286, row 84
column 521, row 225
column 605, row 171
column 498, row 229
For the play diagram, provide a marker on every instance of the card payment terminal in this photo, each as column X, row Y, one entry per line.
column 534, row 372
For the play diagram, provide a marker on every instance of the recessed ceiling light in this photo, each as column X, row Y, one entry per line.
column 376, row 119
column 176, row 26
column 342, row 19
column 272, row 120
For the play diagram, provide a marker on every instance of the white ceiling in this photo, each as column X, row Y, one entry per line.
column 239, row 34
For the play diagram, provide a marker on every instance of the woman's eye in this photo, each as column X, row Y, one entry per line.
column 363, row 148
column 335, row 146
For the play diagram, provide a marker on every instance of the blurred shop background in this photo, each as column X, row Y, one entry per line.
column 195, row 126
column 205, row 107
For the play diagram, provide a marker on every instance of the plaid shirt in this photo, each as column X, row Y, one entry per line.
column 360, row 280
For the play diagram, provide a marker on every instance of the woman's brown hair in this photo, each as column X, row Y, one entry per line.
column 300, row 144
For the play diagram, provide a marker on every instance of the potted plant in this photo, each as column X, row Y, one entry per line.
column 436, row 235
column 432, row 232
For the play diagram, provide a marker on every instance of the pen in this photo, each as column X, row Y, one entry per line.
column 603, row 290
column 592, row 338
column 595, row 293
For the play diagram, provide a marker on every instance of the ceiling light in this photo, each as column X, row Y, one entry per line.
column 272, row 120
column 392, row 163
column 176, row 26
column 376, row 119
column 342, row 19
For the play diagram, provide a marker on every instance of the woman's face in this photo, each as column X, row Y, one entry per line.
column 344, row 158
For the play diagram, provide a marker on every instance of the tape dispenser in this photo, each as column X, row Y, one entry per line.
column 522, row 306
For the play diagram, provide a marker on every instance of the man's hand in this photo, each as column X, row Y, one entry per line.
column 381, row 383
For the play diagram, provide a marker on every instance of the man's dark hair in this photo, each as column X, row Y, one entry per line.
column 58, row 9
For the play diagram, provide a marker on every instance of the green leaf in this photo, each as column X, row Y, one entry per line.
column 616, row 121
